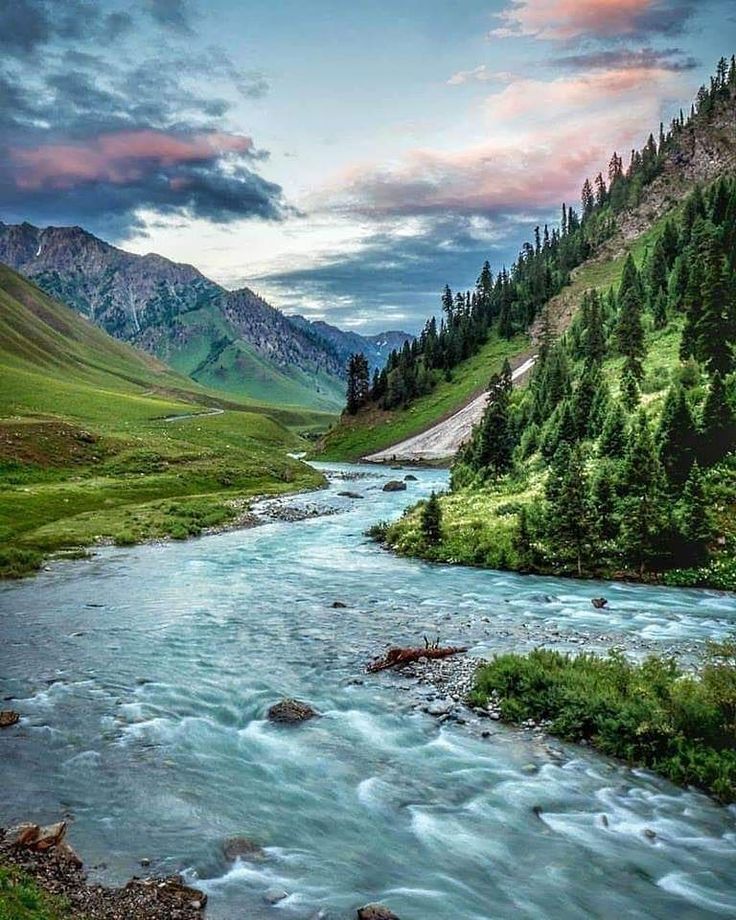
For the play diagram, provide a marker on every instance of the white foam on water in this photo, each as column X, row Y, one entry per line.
column 684, row 885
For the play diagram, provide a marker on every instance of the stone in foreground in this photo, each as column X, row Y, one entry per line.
column 394, row 485
column 9, row 717
column 376, row 912
column 290, row 712
column 242, row 848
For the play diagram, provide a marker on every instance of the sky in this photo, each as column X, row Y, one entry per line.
column 345, row 160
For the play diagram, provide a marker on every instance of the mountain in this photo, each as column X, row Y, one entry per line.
column 376, row 348
column 230, row 340
column 100, row 441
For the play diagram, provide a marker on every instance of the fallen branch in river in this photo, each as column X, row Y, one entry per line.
column 398, row 656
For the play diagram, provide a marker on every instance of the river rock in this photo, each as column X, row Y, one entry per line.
column 350, row 494
column 35, row 837
column 599, row 602
column 410, row 478
column 376, row 912
column 243, row 848
column 9, row 717
column 290, row 712
column 339, row 605
column 274, row 895
column 394, row 485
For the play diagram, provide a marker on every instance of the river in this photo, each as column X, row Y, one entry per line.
column 143, row 677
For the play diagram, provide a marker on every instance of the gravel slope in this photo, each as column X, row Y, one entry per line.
column 444, row 439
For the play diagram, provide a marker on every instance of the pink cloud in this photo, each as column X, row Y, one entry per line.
column 565, row 19
column 544, row 138
column 119, row 157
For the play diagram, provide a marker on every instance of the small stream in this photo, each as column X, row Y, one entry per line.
column 143, row 676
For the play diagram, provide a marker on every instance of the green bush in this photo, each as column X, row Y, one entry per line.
column 16, row 563
column 652, row 714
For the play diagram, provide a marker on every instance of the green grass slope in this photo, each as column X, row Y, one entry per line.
column 209, row 355
column 374, row 429
column 88, row 448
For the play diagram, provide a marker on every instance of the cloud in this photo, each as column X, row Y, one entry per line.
column 173, row 14
column 479, row 74
column 98, row 137
column 594, row 19
column 27, row 25
column 544, row 137
column 674, row 59
column 396, row 275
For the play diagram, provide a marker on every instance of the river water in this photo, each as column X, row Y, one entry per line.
column 143, row 677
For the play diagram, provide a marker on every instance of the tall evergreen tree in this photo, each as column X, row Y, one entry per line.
column 677, row 437
column 644, row 508
column 358, row 389
column 568, row 520
column 718, row 424
column 694, row 520
column 431, row 521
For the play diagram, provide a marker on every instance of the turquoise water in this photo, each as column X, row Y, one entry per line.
column 144, row 723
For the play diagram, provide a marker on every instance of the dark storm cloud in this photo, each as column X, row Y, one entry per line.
column 673, row 59
column 27, row 25
column 86, row 137
column 397, row 280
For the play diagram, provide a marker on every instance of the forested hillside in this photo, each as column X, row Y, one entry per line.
column 616, row 459
column 617, row 215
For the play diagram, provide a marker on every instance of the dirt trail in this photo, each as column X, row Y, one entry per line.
column 444, row 439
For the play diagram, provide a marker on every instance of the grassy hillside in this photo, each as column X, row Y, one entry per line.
column 373, row 429
column 99, row 442
column 208, row 354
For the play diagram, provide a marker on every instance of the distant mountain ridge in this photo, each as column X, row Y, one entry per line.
column 231, row 340
column 376, row 347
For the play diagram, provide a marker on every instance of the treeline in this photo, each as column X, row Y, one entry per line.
column 510, row 301
column 620, row 491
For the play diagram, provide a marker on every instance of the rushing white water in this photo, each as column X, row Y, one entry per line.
column 143, row 677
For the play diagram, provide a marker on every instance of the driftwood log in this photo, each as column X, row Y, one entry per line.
column 399, row 656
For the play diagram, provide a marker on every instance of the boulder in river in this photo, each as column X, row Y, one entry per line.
column 339, row 605
column 376, row 912
column 243, row 848
column 290, row 712
column 599, row 602
column 274, row 895
column 394, row 485
column 410, row 477
column 350, row 494
column 9, row 717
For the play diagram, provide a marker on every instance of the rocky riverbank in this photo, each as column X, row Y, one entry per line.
column 43, row 855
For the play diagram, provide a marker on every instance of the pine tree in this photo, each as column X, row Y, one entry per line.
column 614, row 438
column 714, row 328
column 493, row 438
column 431, row 521
column 358, row 389
column 629, row 329
column 643, row 507
column 568, row 523
column 604, row 501
column 693, row 519
column 718, row 424
column 629, row 387
column 677, row 437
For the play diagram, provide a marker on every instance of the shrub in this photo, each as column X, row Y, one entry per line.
column 649, row 714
